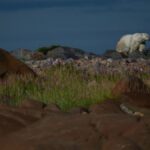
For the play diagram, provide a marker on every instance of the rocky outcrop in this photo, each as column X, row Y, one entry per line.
column 103, row 127
column 132, row 91
column 131, row 84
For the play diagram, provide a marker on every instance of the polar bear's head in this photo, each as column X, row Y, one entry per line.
column 145, row 36
column 141, row 37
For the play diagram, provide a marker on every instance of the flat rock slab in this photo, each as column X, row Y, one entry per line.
column 104, row 127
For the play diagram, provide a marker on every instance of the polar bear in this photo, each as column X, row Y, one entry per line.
column 132, row 42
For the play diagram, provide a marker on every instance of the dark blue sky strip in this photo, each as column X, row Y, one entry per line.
column 10, row 5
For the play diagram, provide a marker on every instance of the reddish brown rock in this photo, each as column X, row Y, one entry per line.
column 10, row 65
column 133, row 90
column 106, row 107
column 130, row 84
column 97, row 130
column 32, row 104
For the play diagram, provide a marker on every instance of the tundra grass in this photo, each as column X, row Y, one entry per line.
column 61, row 85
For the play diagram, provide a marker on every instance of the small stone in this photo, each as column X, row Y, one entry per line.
column 138, row 114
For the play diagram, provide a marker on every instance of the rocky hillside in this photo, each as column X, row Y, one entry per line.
column 62, row 52
column 67, row 52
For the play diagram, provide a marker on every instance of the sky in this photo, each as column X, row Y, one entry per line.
column 91, row 25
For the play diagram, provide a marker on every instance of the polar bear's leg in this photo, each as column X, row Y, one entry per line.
column 141, row 47
column 134, row 47
column 121, row 47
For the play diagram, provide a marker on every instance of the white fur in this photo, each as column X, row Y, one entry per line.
column 132, row 42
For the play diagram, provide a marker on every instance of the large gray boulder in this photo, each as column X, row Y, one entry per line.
column 23, row 54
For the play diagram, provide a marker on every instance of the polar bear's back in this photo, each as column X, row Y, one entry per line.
column 123, row 44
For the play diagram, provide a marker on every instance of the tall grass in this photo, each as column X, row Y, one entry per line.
column 61, row 85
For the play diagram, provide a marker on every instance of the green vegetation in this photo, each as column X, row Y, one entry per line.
column 62, row 85
column 44, row 50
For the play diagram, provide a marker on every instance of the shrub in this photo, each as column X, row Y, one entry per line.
column 45, row 50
